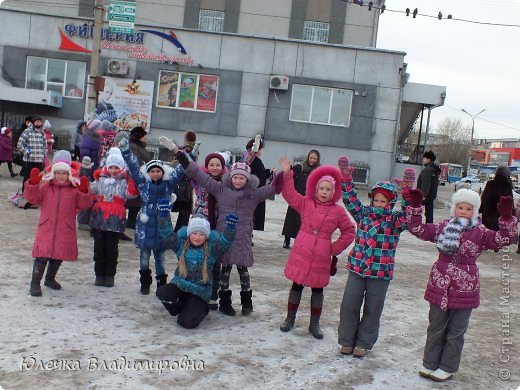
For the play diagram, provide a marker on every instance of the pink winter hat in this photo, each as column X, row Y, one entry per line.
column 328, row 179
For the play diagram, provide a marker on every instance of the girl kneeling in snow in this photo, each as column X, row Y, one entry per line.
column 453, row 288
column 198, row 249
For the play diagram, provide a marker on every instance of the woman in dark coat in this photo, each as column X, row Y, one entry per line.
column 301, row 172
column 499, row 186
column 138, row 147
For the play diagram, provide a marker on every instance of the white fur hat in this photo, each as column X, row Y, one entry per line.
column 466, row 196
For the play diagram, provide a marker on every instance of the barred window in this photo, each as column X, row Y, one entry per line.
column 316, row 31
column 211, row 20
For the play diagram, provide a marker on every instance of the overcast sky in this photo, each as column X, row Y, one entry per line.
column 479, row 64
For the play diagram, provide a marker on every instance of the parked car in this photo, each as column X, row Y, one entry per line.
column 470, row 182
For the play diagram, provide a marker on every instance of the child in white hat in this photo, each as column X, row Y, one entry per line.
column 453, row 289
column 108, row 216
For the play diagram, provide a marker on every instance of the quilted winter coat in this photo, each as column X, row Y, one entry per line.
column 239, row 202
column 454, row 281
column 56, row 234
column 146, row 233
column 310, row 258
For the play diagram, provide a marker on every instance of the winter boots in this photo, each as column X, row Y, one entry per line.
column 100, row 280
column 37, row 275
column 316, row 306
column 52, row 270
column 161, row 280
column 247, row 303
column 225, row 303
column 109, row 281
column 292, row 307
column 50, row 277
column 146, row 281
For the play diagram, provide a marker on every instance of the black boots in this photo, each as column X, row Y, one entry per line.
column 161, row 280
column 146, row 281
column 100, row 280
column 225, row 303
column 37, row 275
column 316, row 306
column 292, row 307
column 109, row 281
column 247, row 303
column 50, row 277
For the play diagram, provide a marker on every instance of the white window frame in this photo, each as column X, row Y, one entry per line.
column 314, row 87
column 54, row 83
column 314, row 31
column 211, row 20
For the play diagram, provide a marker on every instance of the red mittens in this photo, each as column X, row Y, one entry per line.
column 83, row 184
column 35, row 177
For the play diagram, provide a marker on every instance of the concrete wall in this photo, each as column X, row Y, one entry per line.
column 245, row 104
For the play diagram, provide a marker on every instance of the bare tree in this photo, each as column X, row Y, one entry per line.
column 453, row 142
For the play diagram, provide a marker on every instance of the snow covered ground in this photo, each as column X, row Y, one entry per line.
column 89, row 337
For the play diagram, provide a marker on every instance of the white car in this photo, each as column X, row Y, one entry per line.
column 470, row 182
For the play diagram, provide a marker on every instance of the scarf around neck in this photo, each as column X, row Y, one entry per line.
column 449, row 239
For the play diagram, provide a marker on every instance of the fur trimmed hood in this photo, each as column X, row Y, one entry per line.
column 252, row 183
column 167, row 172
column 317, row 174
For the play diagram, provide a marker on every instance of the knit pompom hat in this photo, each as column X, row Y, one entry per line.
column 466, row 196
column 189, row 139
column 94, row 124
column 106, row 125
column 240, row 168
column 47, row 124
column 61, row 162
column 199, row 225
column 87, row 162
column 383, row 191
column 119, row 137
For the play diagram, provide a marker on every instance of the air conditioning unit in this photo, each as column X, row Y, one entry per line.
column 279, row 82
column 117, row 67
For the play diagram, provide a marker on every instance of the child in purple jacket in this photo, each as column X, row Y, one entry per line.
column 453, row 288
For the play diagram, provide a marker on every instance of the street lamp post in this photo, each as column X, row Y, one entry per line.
column 472, row 131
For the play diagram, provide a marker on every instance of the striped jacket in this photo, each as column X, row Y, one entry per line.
column 377, row 234
column 33, row 145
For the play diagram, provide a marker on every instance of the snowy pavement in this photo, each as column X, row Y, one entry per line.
column 88, row 337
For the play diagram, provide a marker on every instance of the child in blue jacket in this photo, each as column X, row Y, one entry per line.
column 198, row 249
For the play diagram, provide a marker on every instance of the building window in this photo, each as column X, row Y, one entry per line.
column 211, row 20
column 321, row 105
column 316, row 31
column 48, row 74
column 187, row 91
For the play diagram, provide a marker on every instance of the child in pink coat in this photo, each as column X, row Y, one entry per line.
column 453, row 289
column 59, row 196
column 313, row 256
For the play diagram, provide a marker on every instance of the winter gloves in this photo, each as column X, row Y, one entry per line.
column 182, row 159
column 414, row 197
column 345, row 168
column 408, row 180
column 505, row 207
column 256, row 144
column 168, row 143
column 35, row 177
column 231, row 222
column 333, row 266
column 164, row 206
column 124, row 145
column 83, row 184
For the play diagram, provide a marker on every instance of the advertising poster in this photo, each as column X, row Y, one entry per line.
column 168, row 87
column 187, row 91
column 126, row 102
column 207, row 96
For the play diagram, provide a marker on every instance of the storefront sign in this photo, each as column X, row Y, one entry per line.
column 127, row 103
